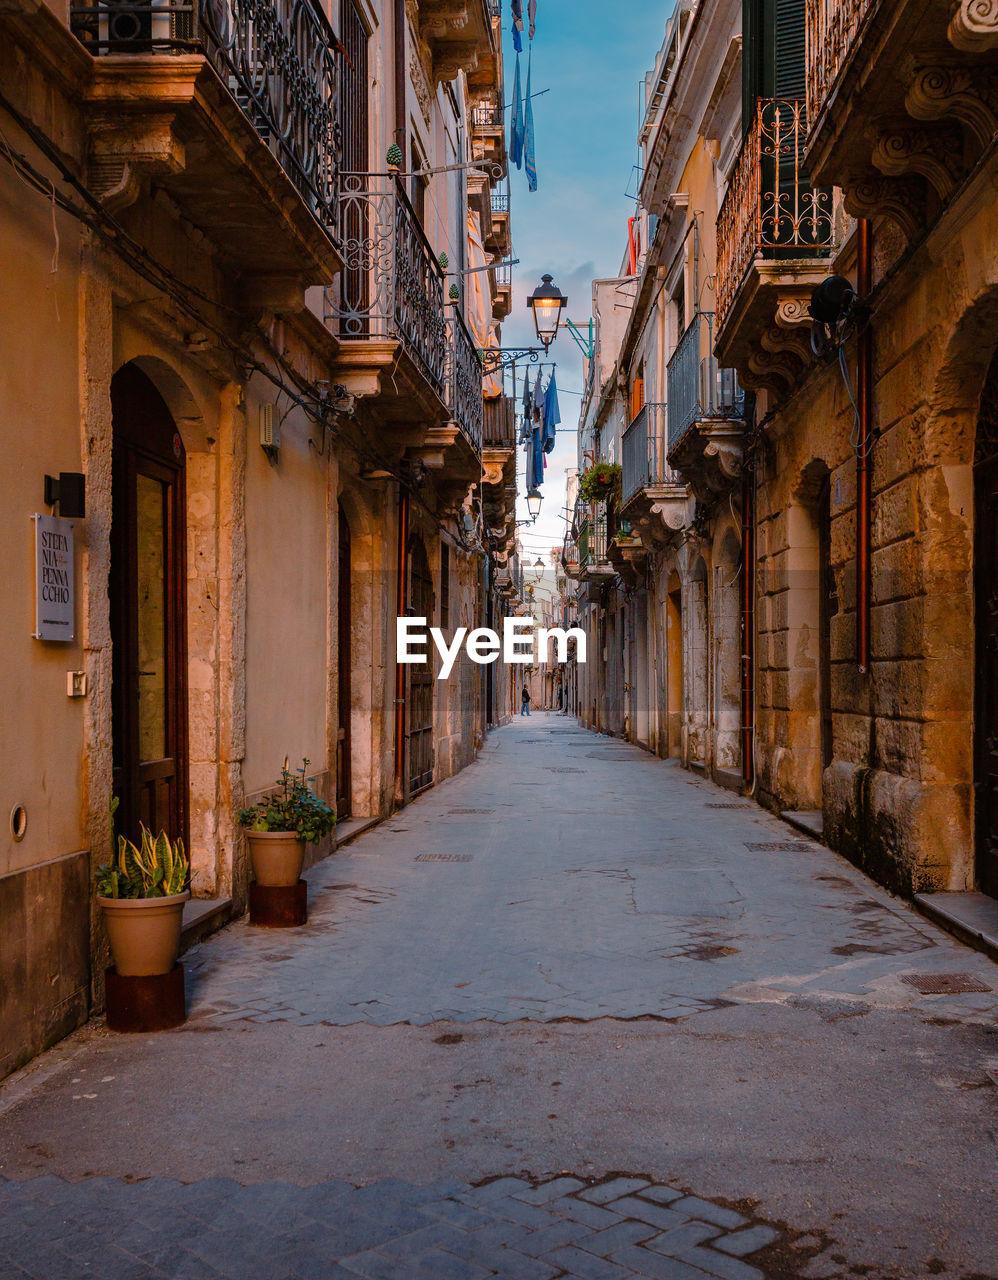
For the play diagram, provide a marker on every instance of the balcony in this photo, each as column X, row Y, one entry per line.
column 924, row 74
column 399, row 340
column 499, row 467
column 488, row 130
column 705, row 413
column 594, row 561
column 775, row 233
column 653, row 495
column 454, row 36
column 499, row 240
column 232, row 110
column 502, row 301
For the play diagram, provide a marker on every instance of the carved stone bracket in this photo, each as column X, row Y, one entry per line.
column 936, row 154
column 967, row 94
column 900, row 199
column 974, row 26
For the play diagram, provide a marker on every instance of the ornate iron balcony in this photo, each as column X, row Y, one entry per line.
column 391, row 285
column 500, row 201
column 770, row 209
column 276, row 57
column 592, row 540
column 698, row 389
column 487, row 117
column 644, row 447
column 464, row 380
column 832, row 27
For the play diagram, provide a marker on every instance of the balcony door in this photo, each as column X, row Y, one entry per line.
column 419, row 695
column 344, row 657
column 148, row 610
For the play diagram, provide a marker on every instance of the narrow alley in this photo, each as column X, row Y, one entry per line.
column 575, row 1012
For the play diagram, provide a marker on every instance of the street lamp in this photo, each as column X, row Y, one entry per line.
column 538, row 569
column 533, row 504
column 547, row 303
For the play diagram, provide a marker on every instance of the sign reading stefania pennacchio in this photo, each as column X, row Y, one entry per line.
column 522, row 641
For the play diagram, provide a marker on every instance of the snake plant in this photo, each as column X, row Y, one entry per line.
column 155, row 868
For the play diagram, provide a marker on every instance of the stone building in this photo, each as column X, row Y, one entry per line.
column 248, row 326
column 798, row 566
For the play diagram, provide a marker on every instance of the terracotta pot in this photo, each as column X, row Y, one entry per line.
column 144, row 933
column 277, row 857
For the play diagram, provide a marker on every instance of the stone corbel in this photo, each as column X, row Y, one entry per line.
column 728, row 455
column 777, row 371
column 974, row 26
column 900, row 199
column 122, row 157
column 967, row 94
column 936, row 154
column 453, row 57
column 674, row 513
column 441, row 18
column 492, row 472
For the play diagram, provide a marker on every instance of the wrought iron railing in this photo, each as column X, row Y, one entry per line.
column 495, row 8
column 770, row 208
column 592, row 539
column 391, row 284
column 487, row 116
column 503, row 273
column 500, row 200
column 832, row 27
column 697, row 388
column 500, row 423
column 643, row 449
column 276, row 57
column 464, row 380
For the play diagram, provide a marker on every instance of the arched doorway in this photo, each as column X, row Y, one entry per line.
column 344, row 657
column 986, row 615
column 699, row 665
column 419, row 696
column 148, row 610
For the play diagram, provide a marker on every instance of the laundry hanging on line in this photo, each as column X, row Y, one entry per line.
column 529, row 160
column 516, row 121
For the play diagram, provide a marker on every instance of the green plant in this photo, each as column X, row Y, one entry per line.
column 156, row 868
column 454, row 293
column 444, row 261
column 393, row 156
column 601, row 482
column 291, row 807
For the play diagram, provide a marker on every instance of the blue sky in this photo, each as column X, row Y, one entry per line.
column 591, row 56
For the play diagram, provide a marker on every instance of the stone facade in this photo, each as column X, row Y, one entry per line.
column 805, row 615
column 154, row 235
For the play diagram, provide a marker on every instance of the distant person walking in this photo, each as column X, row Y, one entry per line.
column 525, row 702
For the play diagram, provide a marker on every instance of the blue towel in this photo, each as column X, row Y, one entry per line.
column 529, row 160
column 537, row 457
column 516, row 120
column 552, row 416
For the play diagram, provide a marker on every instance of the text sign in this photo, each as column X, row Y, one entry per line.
column 55, row 596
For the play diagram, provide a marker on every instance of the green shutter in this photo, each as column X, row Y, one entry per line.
column 789, row 49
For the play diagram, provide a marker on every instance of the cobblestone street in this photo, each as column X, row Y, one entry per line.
column 533, row 1031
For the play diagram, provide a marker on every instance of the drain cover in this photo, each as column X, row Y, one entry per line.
column 781, row 846
column 943, row 984
column 471, row 810
column 734, row 804
column 443, row 857
column 563, row 769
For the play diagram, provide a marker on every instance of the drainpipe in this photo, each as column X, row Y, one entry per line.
column 400, row 82
column 748, row 612
column 631, row 247
column 399, row 668
column 864, row 360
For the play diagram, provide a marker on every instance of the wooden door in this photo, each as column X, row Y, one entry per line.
column 148, row 611
column 343, row 629
column 419, row 699
column 986, row 614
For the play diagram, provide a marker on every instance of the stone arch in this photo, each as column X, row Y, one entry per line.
column 179, row 399
column 726, row 650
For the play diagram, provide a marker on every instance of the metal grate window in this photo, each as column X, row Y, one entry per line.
column 444, row 586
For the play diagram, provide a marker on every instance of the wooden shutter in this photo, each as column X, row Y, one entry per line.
column 637, row 397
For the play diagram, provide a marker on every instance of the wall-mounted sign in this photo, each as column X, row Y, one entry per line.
column 55, row 596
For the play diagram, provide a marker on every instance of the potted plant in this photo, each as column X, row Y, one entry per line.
column 142, row 894
column 600, row 482
column 279, row 826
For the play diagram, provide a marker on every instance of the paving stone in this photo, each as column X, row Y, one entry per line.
column 527, row 1215
column 605, row 1191
column 745, row 1242
column 720, row 1264
column 681, row 1238
column 655, row 1265
column 465, row 1216
column 609, row 1241
column 549, row 1190
column 660, row 1194
column 553, row 1237
column 593, row 1215
column 656, row 1214
column 587, row 1266
column 693, row 1207
column 498, row 1190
